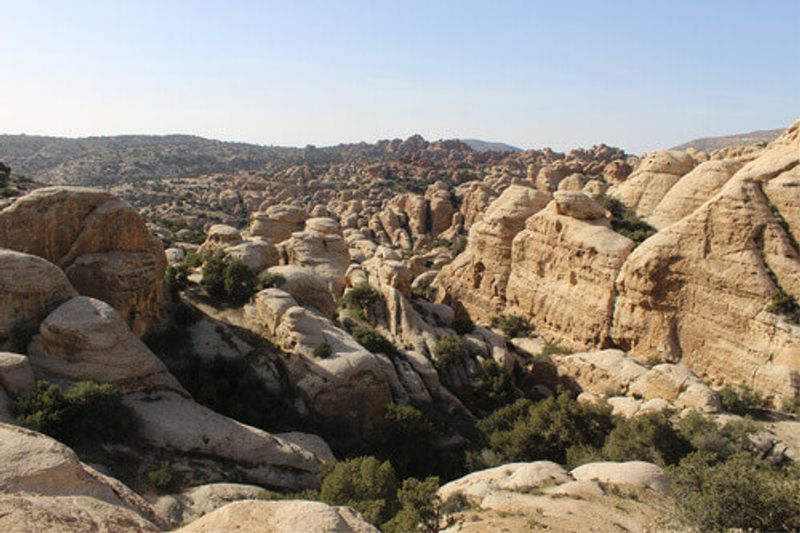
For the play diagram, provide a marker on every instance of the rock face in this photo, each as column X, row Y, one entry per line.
column 188, row 506
column 697, row 291
column 44, row 486
column 692, row 191
column 351, row 384
column 100, row 241
column 254, row 516
column 86, row 339
column 16, row 374
column 324, row 253
column 544, row 494
column 657, row 173
column 169, row 420
column 307, row 287
column 220, row 236
column 30, row 287
column 562, row 276
column 477, row 278
column 258, row 254
column 277, row 223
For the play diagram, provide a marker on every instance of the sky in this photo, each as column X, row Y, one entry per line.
column 639, row 74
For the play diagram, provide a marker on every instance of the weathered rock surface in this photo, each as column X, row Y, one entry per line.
column 477, row 278
column 324, row 253
column 219, row 237
column 169, row 420
column 188, row 506
column 692, row 191
column 16, row 374
column 636, row 473
column 34, row 465
column 86, row 339
column 697, row 290
column 658, row 172
column 280, row 516
column 307, row 287
column 26, row 299
column 61, row 224
column 562, row 276
column 278, row 222
column 258, row 254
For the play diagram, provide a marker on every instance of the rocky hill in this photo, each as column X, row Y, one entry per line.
column 709, row 144
column 486, row 146
column 408, row 336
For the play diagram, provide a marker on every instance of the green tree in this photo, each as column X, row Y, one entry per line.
column 650, row 437
column 239, row 282
column 419, row 507
column 363, row 483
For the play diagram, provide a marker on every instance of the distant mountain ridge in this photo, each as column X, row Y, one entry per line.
column 709, row 144
column 485, row 146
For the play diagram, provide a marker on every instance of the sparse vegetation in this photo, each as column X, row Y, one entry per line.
column 228, row 280
column 740, row 400
column 269, row 280
column 368, row 337
column 783, row 303
column 322, row 350
column 87, row 415
column 161, row 477
column 359, row 298
column 450, row 351
column 512, row 326
column 625, row 221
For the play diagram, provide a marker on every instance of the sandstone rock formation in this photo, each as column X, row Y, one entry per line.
column 324, row 253
column 563, row 271
column 657, row 173
column 101, row 242
column 26, row 299
column 697, row 291
column 255, row 516
column 477, row 278
column 277, row 223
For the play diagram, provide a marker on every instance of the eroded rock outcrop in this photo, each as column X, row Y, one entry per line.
column 477, row 277
column 101, row 242
column 697, row 291
column 563, row 271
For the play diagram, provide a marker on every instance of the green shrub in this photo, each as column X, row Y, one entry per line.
column 177, row 276
column 512, row 326
column 363, row 483
column 214, row 276
column 650, row 437
column 553, row 349
column 419, row 507
column 450, row 350
column 422, row 290
column 87, row 414
column 359, row 298
column 742, row 492
column 716, row 441
column 784, row 304
column 369, row 338
column 323, row 350
column 545, row 430
column 192, row 260
column 740, row 400
column 269, row 280
column 161, row 477
column 489, row 390
column 239, row 282
column 625, row 221
column 406, row 438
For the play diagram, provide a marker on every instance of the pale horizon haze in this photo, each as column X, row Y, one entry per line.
column 634, row 74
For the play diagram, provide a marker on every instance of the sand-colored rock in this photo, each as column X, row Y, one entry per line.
column 477, row 278
column 61, row 224
column 324, row 253
column 191, row 504
column 169, row 420
column 257, row 253
column 277, row 223
column 307, row 287
column 577, row 204
column 86, row 339
column 677, row 385
column 600, row 372
column 520, row 477
column 692, row 191
column 696, row 292
column 254, row 516
column 30, row 287
column 658, row 172
column 635, row 473
column 323, row 225
column 219, row 237
column 16, row 374
column 562, row 277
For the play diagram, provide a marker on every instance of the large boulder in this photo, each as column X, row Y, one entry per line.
column 254, row 516
column 172, row 421
column 62, row 224
column 562, row 277
column 632, row 473
column 30, row 287
column 188, row 506
column 477, row 278
column 86, row 339
column 658, row 172
column 692, row 191
column 520, row 477
column 16, row 374
column 307, row 287
column 601, row 372
column 34, row 465
column 324, row 253
column 348, row 384
column 698, row 291
column 220, row 236
column 258, row 254
column 277, row 223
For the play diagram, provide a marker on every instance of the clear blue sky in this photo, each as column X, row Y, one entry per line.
column 641, row 74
